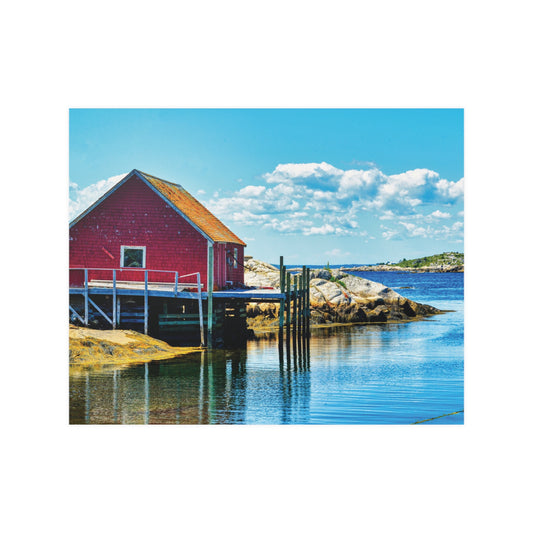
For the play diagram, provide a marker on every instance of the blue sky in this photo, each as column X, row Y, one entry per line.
column 314, row 185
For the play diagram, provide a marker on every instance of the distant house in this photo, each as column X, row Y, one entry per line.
column 145, row 222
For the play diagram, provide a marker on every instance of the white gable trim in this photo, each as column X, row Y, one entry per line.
column 136, row 173
column 163, row 197
column 102, row 198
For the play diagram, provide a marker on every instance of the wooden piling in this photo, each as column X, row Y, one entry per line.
column 288, row 298
column 200, row 309
column 282, row 290
column 146, row 302
column 114, row 298
column 86, row 293
column 304, row 303
column 308, row 297
column 210, row 275
column 299, row 305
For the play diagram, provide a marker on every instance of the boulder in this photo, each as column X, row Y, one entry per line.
column 260, row 274
column 335, row 296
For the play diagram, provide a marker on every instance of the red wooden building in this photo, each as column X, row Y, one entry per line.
column 148, row 223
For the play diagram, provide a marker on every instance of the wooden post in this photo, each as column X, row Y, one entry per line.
column 308, row 296
column 118, row 310
column 282, row 290
column 294, row 290
column 200, row 309
column 302, row 284
column 176, row 283
column 298, row 317
column 302, row 300
column 86, row 291
column 210, row 273
column 288, row 300
column 100, row 311
column 114, row 299
column 306, row 282
column 146, row 302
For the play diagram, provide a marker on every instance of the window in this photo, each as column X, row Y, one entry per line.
column 133, row 256
column 235, row 256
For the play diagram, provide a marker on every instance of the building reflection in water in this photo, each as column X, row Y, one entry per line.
column 268, row 382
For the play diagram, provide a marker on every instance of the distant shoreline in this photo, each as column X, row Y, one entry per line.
column 393, row 268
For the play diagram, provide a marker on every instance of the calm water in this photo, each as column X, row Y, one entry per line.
column 374, row 374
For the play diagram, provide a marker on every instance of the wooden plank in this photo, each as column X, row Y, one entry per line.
column 100, row 311
column 76, row 313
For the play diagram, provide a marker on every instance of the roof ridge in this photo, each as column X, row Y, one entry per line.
column 199, row 215
column 160, row 179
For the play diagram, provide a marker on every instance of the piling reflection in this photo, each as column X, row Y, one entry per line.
column 269, row 381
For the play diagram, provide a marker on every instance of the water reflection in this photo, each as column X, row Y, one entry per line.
column 396, row 373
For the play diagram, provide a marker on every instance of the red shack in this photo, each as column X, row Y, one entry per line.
column 145, row 222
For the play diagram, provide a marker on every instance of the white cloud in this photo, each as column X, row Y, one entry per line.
column 389, row 234
column 440, row 214
column 320, row 199
column 302, row 171
column 326, row 229
column 81, row 199
column 251, row 190
column 451, row 189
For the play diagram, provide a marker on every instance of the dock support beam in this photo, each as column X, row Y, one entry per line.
column 146, row 302
column 200, row 309
column 210, row 275
column 288, row 299
column 86, row 293
column 308, row 303
column 114, row 299
column 282, row 290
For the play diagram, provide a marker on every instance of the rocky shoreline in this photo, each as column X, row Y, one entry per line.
column 336, row 297
column 90, row 346
column 393, row 268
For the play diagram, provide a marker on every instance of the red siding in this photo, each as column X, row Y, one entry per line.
column 224, row 269
column 135, row 215
column 236, row 275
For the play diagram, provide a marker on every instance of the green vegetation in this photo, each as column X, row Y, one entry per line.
column 446, row 258
column 338, row 281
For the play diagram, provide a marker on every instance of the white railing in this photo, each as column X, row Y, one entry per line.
column 175, row 274
column 116, row 312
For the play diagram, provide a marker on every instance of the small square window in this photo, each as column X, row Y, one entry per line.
column 133, row 256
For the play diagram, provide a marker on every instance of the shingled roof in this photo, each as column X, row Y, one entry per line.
column 196, row 213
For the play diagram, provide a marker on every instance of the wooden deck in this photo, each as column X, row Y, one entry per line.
column 168, row 290
column 293, row 296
